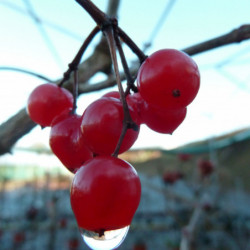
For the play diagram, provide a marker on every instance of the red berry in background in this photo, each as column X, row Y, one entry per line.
column 101, row 126
column 139, row 246
column 163, row 120
column 184, row 157
column 168, row 79
column 19, row 237
column 170, row 177
column 63, row 223
column 206, row 167
column 66, row 141
column 48, row 101
column 105, row 194
column 73, row 243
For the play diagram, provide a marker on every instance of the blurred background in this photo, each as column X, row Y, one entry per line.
column 201, row 171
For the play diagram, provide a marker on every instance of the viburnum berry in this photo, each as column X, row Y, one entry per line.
column 66, row 141
column 101, row 126
column 105, row 194
column 206, row 167
column 134, row 101
column 165, row 120
column 48, row 101
column 168, row 79
column 170, row 177
column 184, row 157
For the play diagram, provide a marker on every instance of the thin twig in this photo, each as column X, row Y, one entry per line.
column 76, row 61
column 127, row 120
column 131, row 44
column 28, row 72
column 235, row 36
column 130, row 80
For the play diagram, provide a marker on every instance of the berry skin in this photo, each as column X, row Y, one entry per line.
column 101, row 126
column 164, row 120
column 105, row 194
column 67, row 143
column 134, row 102
column 48, row 101
column 168, row 79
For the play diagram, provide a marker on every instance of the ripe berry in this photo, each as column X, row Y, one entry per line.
column 163, row 120
column 168, row 79
column 184, row 157
column 206, row 167
column 48, row 101
column 134, row 102
column 19, row 237
column 105, row 194
column 66, row 141
column 170, row 177
column 102, row 124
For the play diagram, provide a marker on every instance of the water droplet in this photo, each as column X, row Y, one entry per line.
column 105, row 240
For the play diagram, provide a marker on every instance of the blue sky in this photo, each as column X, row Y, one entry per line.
column 223, row 101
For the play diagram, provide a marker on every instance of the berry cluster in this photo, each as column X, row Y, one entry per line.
column 105, row 191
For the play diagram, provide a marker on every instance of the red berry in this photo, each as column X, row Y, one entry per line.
column 19, row 237
column 163, row 120
column 139, row 246
column 171, row 177
column 134, row 102
column 48, row 101
column 105, row 194
column 66, row 141
column 63, row 223
column 114, row 94
column 206, row 167
column 184, row 157
column 168, row 78
column 102, row 124
column 73, row 243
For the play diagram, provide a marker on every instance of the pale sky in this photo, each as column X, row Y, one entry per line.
column 222, row 104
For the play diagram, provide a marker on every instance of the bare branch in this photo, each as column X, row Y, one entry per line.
column 235, row 36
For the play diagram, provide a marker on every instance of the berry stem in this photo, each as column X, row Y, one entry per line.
column 75, row 91
column 104, row 21
column 76, row 61
column 131, row 44
column 130, row 80
column 127, row 121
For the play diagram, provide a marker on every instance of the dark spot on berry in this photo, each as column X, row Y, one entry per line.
column 176, row 93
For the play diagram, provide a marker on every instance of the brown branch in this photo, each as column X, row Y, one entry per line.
column 13, row 129
column 235, row 36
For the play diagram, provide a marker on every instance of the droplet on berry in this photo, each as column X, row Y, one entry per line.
column 104, row 240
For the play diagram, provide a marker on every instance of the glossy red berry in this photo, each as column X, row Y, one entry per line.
column 105, row 194
column 67, row 143
column 168, row 79
column 101, row 126
column 162, row 120
column 114, row 94
column 48, row 101
column 134, row 102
